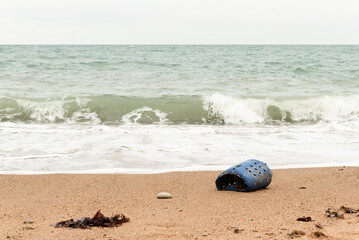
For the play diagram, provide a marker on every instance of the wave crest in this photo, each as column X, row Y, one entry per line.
column 213, row 109
column 239, row 110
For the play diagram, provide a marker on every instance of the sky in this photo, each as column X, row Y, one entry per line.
column 179, row 22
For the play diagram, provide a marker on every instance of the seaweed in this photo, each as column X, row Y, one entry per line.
column 98, row 220
column 348, row 209
column 304, row 219
column 296, row 234
column 319, row 234
column 318, row 225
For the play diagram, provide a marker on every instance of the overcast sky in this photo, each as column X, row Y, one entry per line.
column 179, row 22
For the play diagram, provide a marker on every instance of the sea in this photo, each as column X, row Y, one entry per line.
column 164, row 108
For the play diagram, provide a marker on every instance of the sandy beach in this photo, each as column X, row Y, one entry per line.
column 105, row 106
column 196, row 211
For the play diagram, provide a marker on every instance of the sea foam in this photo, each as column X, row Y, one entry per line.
column 240, row 110
column 210, row 109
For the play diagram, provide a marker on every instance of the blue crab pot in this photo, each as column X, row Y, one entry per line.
column 245, row 177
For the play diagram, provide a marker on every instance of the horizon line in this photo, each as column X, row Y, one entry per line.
column 182, row 44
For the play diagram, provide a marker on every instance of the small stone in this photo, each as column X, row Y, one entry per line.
column 236, row 230
column 164, row 195
column 28, row 221
column 28, row 228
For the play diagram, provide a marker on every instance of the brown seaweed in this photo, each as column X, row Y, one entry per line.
column 348, row 209
column 98, row 220
column 319, row 234
column 296, row 234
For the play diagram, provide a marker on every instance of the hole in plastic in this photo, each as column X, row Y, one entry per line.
column 230, row 180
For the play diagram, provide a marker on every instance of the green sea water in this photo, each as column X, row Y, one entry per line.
column 188, row 84
column 146, row 109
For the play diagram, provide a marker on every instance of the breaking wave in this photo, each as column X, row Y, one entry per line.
column 212, row 109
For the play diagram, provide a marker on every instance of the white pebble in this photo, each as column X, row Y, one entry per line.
column 164, row 195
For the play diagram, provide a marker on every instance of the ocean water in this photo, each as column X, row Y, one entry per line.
column 149, row 109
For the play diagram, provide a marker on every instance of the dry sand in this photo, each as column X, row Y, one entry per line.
column 197, row 210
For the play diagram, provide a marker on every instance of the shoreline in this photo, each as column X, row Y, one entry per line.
column 196, row 211
column 151, row 172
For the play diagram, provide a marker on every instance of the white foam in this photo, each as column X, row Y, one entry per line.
column 52, row 111
column 237, row 110
column 136, row 115
column 327, row 108
column 49, row 111
column 84, row 115
column 60, row 148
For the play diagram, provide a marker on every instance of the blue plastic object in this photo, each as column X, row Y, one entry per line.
column 245, row 177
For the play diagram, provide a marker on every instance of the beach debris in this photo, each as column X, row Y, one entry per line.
column 318, row 225
column 164, row 195
column 98, row 220
column 28, row 228
column 296, row 234
column 304, row 219
column 333, row 214
column 247, row 176
column 235, row 229
column 28, row 221
column 302, row 188
column 319, row 234
column 340, row 212
column 349, row 210
column 269, row 234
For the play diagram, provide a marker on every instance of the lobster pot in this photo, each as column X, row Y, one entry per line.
column 245, row 177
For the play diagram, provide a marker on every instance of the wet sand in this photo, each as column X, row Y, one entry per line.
column 196, row 211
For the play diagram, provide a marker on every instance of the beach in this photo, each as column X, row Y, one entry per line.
column 125, row 120
column 90, row 127
column 196, row 211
